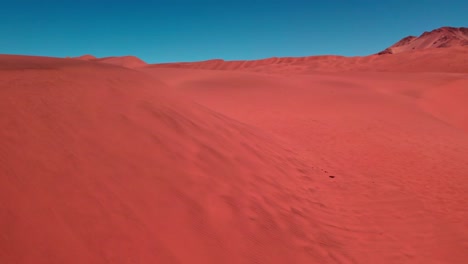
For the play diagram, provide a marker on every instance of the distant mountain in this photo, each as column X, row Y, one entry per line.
column 439, row 38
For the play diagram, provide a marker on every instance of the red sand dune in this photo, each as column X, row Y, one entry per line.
column 86, row 58
column 102, row 165
column 123, row 61
column 288, row 160
column 399, row 155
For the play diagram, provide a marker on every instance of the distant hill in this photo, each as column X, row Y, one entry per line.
column 439, row 38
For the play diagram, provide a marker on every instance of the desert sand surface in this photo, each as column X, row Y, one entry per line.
column 292, row 160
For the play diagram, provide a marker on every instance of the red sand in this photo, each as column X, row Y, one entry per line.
column 366, row 162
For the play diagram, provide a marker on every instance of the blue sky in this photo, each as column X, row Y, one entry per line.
column 176, row 30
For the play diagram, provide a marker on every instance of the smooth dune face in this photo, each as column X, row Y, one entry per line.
column 288, row 160
column 396, row 142
column 447, row 102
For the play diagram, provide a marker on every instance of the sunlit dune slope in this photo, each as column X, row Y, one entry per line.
column 100, row 164
column 396, row 143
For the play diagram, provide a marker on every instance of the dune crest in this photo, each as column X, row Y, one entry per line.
column 451, row 59
column 123, row 61
column 86, row 57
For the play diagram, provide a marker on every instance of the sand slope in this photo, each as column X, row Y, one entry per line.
column 396, row 142
column 100, row 164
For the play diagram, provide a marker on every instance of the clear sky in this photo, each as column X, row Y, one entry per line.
column 176, row 30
